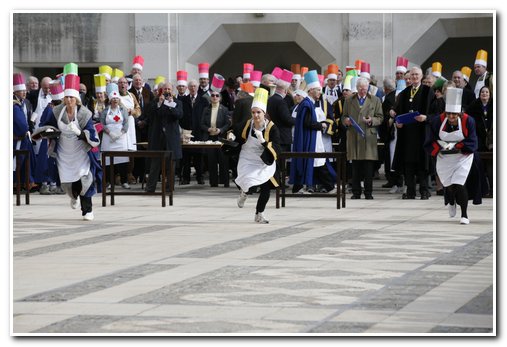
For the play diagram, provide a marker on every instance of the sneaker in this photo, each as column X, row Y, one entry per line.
column 331, row 192
column 259, row 218
column 108, row 186
column 125, row 185
column 452, row 210
column 310, row 190
column 241, row 199
column 88, row 216
column 464, row 220
column 44, row 190
column 302, row 191
column 75, row 203
column 394, row 190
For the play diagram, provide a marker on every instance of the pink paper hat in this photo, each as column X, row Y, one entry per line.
column 203, row 70
column 72, row 85
column 285, row 78
column 277, row 72
column 56, row 90
column 255, row 78
column 138, row 62
column 181, row 78
column 321, row 80
column 365, row 70
column 247, row 70
column 217, row 83
column 18, row 82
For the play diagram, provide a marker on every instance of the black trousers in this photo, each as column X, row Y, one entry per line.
column 322, row 175
column 218, row 167
column 120, row 169
column 189, row 158
column 362, row 170
column 411, row 175
column 263, row 199
column 155, row 167
column 86, row 202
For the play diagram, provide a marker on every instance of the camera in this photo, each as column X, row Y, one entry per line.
column 166, row 95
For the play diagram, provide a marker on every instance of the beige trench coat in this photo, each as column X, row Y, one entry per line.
column 359, row 148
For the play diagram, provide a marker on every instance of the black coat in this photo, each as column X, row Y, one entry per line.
column 143, row 121
column 165, row 128
column 483, row 122
column 467, row 98
column 242, row 110
column 386, row 131
column 411, row 137
column 223, row 122
column 280, row 115
column 192, row 115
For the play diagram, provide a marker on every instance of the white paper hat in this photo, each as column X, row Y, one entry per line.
column 453, row 100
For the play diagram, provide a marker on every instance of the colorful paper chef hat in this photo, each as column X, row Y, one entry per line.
column 247, row 70
column 18, row 82
column 401, row 64
column 296, row 70
column 181, row 78
column 255, row 78
column 358, row 64
column 304, row 69
column 436, row 69
column 353, row 84
column 70, row 69
column 365, row 70
column 312, row 80
column 247, row 87
column 466, row 71
column 347, row 82
column 453, row 100
column 260, row 99
column 158, row 81
column 138, row 62
column 56, row 90
column 277, row 72
column 106, row 70
column 285, row 79
column 481, row 58
column 117, row 74
column 332, row 71
column 72, row 85
column 100, row 83
column 112, row 91
column 217, row 83
column 203, row 70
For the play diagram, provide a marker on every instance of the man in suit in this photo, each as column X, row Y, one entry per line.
column 144, row 98
column 386, row 132
column 279, row 114
column 166, row 113
column 410, row 159
column 366, row 110
column 193, row 107
column 229, row 94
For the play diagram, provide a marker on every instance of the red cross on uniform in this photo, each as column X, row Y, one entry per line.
column 116, row 118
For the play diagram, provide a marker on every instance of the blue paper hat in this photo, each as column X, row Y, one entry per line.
column 112, row 90
column 312, row 80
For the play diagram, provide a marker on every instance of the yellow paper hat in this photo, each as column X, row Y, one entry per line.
column 260, row 99
column 466, row 71
column 106, row 70
column 117, row 73
column 159, row 79
column 436, row 69
column 100, row 83
column 481, row 58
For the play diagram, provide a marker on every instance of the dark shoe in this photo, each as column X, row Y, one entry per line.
column 406, row 197
column 425, row 196
column 355, row 197
column 369, row 197
column 387, row 185
column 440, row 192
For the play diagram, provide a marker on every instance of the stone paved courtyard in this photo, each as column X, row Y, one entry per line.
column 383, row 266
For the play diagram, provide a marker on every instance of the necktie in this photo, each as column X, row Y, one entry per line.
column 140, row 97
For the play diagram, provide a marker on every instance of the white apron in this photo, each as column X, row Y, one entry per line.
column 115, row 127
column 72, row 155
column 392, row 146
column 321, row 142
column 128, row 102
column 42, row 102
column 252, row 171
column 453, row 168
column 479, row 84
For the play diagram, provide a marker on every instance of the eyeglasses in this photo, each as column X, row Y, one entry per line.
column 215, row 95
